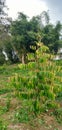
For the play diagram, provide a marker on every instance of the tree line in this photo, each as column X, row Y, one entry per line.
column 20, row 37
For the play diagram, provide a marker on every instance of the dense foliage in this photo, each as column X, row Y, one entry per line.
column 25, row 35
column 51, row 36
column 41, row 85
column 20, row 37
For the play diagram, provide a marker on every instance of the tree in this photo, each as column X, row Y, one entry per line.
column 57, row 33
column 48, row 36
column 24, row 35
column 51, row 36
column 44, row 18
column 4, row 30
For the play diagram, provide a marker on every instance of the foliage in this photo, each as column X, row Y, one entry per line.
column 4, row 29
column 25, row 35
column 16, row 106
column 51, row 36
column 23, row 115
column 45, row 18
column 39, row 86
column 58, row 115
column 20, row 37
column 2, row 126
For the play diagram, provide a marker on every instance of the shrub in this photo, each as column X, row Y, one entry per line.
column 39, row 85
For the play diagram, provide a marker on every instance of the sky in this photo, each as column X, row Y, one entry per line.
column 55, row 9
column 35, row 7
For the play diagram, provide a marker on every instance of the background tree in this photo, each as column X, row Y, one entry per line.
column 57, row 33
column 44, row 18
column 25, row 35
column 4, row 30
column 51, row 36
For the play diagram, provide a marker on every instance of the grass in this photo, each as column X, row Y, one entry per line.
column 12, row 111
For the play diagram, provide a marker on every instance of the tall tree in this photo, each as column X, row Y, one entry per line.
column 51, row 36
column 25, row 35
column 44, row 18
column 57, row 33
column 4, row 29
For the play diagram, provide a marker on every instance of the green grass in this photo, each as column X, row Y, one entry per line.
column 15, row 110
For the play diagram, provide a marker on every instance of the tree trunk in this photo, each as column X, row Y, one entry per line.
column 23, row 59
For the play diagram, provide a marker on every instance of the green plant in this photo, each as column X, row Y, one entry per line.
column 40, row 84
column 8, row 104
column 23, row 115
column 2, row 126
column 56, row 129
column 58, row 114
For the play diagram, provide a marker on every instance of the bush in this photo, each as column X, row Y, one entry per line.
column 39, row 85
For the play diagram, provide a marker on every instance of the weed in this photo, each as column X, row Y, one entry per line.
column 2, row 126
column 8, row 104
column 58, row 114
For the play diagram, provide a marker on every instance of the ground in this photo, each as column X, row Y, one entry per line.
column 9, row 105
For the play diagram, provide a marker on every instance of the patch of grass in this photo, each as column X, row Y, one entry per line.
column 5, row 90
column 58, row 114
column 23, row 115
column 3, row 126
column 23, row 91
